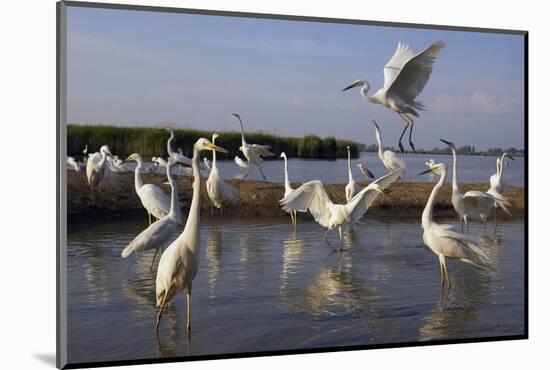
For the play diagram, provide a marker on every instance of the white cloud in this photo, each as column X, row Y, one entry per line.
column 476, row 102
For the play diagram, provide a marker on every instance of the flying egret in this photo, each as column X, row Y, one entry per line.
column 153, row 198
column 159, row 233
column 242, row 164
column 95, row 166
column 475, row 205
column 351, row 188
column 288, row 191
column 207, row 163
column 405, row 76
column 365, row 171
column 313, row 196
column 390, row 160
column 497, row 187
column 253, row 152
column 74, row 164
column 441, row 238
column 179, row 263
column 218, row 190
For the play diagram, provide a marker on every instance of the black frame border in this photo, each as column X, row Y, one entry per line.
column 61, row 335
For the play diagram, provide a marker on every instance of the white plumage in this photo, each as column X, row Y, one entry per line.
column 242, row 164
column 288, row 191
column 405, row 76
column 365, row 171
column 218, row 190
column 95, row 166
column 351, row 187
column 74, row 164
column 390, row 160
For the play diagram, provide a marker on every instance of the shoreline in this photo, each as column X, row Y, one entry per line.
column 117, row 198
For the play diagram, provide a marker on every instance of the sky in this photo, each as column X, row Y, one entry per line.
column 136, row 68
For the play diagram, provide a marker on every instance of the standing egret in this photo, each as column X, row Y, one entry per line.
column 153, row 198
column 175, row 156
column 405, row 76
column 441, row 238
column 313, row 196
column 179, row 263
column 365, row 171
column 351, row 188
column 159, row 233
column 390, row 160
column 218, row 191
column 497, row 187
column 288, row 191
column 253, row 152
column 95, row 166
column 85, row 153
column 474, row 205
column 74, row 164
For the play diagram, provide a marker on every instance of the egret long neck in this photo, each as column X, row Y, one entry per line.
column 364, row 91
column 427, row 214
column 169, row 143
column 501, row 166
column 138, row 183
column 455, row 180
column 174, row 204
column 242, row 132
column 191, row 231
column 350, row 176
column 380, row 149
column 287, row 183
column 213, row 154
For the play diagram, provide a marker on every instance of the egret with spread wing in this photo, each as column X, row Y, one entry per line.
column 390, row 160
column 253, row 152
column 313, row 196
column 178, row 264
column 405, row 76
column 474, row 205
column 218, row 190
column 443, row 240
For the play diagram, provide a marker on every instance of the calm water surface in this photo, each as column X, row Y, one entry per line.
column 261, row 287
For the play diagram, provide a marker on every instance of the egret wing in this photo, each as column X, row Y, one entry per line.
column 457, row 245
column 155, row 236
column 312, row 196
column 415, row 73
column 155, row 200
column 402, row 54
column 263, row 150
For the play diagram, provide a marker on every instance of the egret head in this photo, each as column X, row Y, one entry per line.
column 508, row 155
column 438, row 169
column 451, row 145
column 105, row 149
column 357, row 83
column 214, row 137
column 133, row 157
column 241, row 148
column 170, row 130
column 236, row 115
column 283, row 155
column 347, row 147
column 205, row 144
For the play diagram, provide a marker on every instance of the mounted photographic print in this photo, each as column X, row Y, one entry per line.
column 234, row 184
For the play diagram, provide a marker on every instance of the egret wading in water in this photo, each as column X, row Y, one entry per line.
column 474, row 205
column 155, row 201
column 95, row 166
column 313, row 197
column 443, row 240
column 288, row 191
column 253, row 152
column 365, row 171
column 179, row 263
column 497, row 187
column 218, row 190
column 159, row 233
column 389, row 159
column 351, row 188
column 405, row 76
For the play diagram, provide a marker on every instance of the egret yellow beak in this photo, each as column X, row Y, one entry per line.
column 216, row 148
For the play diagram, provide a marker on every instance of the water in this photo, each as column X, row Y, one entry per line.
column 260, row 287
column 471, row 169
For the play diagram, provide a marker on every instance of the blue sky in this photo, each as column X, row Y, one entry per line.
column 136, row 68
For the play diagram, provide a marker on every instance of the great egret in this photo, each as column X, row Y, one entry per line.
column 442, row 239
column 253, row 152
column 161, row 162
column 159, row 233
column 242, row 164
column 313, row 196
column 390, row 160
column 218, row 191
column 74, row 164
column 474, row 205
column 175, row 156
column 179, row 262
column 288, row 191
column 365, row 171
column 351, row 188
column 95, row 166
column 85, row 152
column 153, row 198
column 405, row 76
column 431, row 163
column 207, row 163
column 496, row 179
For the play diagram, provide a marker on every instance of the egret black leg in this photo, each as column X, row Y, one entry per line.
column 410, row 133
column 403, row 133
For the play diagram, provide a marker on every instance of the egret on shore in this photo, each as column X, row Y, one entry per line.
column 475, row 205
column 313, row 196
column 441, row 238
column 405, row 76
column 288, row 191
column 161, row 162
column 159, row 233
column 153, row 198
column 218, row 190
column 390, row 160
column 253, row 152
column 85, row 152
column 351, row 188
column 179, row 263
column 365, row 171
column 497, row 187
column 74, row 164
column 242, row 164
column 95, row 166
column 175, row 156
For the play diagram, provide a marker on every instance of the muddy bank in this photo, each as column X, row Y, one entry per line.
column 117, row 198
